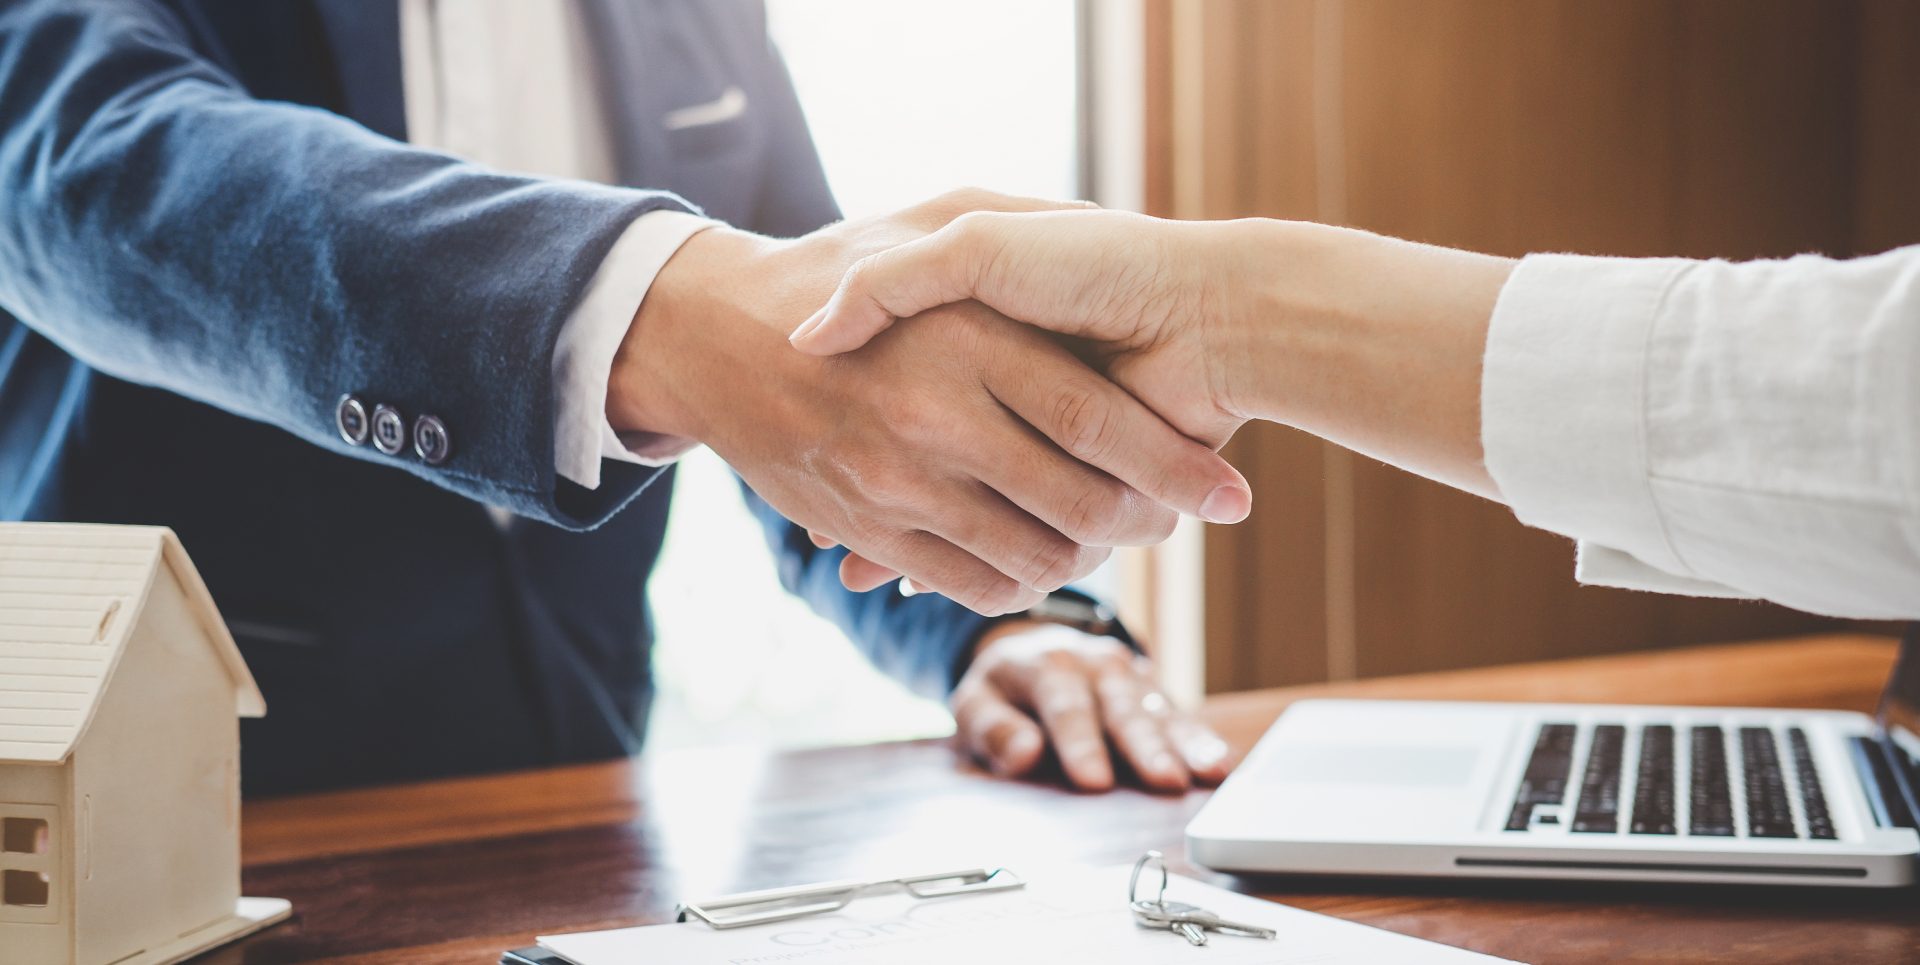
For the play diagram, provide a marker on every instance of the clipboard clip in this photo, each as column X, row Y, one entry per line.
column 803, row 901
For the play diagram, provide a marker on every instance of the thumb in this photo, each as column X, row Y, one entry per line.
column 900, row 282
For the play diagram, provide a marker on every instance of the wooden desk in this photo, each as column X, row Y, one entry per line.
column 456, row 871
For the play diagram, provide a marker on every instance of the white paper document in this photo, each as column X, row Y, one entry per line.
column 1076, row 917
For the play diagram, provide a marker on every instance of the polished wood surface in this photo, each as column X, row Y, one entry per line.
column 1705, row 128
column 456, row 871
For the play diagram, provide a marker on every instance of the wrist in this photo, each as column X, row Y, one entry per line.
column 1371, row 342
column 997, row 631
column 1288, row 313
column 678, row 335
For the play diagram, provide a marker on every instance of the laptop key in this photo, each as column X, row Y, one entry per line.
column 1813, row 797
column 1599, row 809
column 1653, row 790
column 1545, row 779
column 1711, row 803
column 1768, row 813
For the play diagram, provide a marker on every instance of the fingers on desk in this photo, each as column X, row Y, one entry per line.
column 997, row 733
column 1136, row 714
column 1063, row 699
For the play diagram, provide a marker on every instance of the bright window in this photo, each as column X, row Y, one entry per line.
column 906, row 100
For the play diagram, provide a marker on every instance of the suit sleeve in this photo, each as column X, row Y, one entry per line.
column 923, row 641
column 166, row 228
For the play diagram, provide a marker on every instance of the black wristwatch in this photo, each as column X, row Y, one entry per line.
column 1068, row 608
column 1072, row 608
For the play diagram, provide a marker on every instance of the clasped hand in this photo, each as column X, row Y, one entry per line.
column 978, row 456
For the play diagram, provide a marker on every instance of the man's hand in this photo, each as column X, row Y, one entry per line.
column 1032, row 685
column 976, row 456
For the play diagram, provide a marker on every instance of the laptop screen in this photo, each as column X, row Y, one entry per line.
column 1900, row 715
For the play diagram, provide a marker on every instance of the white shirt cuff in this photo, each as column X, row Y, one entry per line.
column 1563, row 413
column 1596, row 565
column 583, row 355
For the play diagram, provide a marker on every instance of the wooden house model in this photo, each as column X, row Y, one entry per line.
column 120, row 690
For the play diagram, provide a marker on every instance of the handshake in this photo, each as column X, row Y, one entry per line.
column 985, row 394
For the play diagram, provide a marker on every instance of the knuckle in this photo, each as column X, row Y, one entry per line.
column 943, row 206
column 999, row 595
column 966, row 324
column 1115, row 660
column 1157, row 523
column 884, row 483
column 966, row 197
column 992, row 734
column 1095, row 515
column 970, row 338
column 977, row 592
column 1092, row 558
column 1063, row 668
column 1085, row 422
column 875, row 539
column 971, row 227
column 919, row 416
column 859, row 276
column 1052, row 563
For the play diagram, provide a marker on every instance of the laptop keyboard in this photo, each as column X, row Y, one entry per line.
column 1767, row 780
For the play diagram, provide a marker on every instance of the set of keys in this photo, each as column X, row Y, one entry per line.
column 1191, row 922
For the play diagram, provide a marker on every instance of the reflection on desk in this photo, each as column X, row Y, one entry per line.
column 456, row 871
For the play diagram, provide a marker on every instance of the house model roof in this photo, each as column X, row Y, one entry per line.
column 70, row 598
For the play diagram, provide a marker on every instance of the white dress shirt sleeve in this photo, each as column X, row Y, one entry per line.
column 1718, row 429
column 583, row 356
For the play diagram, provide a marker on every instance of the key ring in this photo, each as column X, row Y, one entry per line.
column 1155, row 859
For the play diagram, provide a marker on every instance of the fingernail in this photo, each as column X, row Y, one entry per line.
column 813, row 321
column 1020, row 746
column 1206, row 751
column 1227, row 504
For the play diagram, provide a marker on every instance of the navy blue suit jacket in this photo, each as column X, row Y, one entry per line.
column 211, row 229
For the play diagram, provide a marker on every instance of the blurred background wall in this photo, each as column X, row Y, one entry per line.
column 1730, row 128
column 1707, row 128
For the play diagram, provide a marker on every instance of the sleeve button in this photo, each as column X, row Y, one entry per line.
column 430, row 440
column 350, row 416
column 389, row 430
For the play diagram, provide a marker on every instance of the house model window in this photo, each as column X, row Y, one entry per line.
column 27, row 889
column 23, row 887
column 23, row 836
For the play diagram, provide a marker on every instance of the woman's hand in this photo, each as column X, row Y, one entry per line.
column 1146, row 294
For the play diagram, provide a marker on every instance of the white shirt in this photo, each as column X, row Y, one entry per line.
column 509, row 84
column 1717, row 429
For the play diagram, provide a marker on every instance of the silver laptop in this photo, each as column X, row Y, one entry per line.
column 1584, row 791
